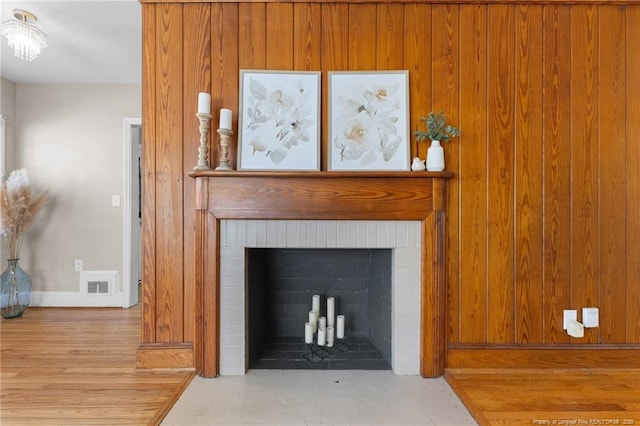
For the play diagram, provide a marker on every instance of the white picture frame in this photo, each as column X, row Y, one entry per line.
column 368, row 120
column 279, row 120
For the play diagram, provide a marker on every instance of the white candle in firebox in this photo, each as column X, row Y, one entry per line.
column 331, row 312
column 313, row 319
column 315, row 304
column 322, row 337
column 340, row 327
column 330, row 336
column 308, row 333
column 323, row 323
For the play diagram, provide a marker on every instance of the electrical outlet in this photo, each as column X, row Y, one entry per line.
column 77, row 265
column 590, row 317
column 575, row 329
column 569, row 315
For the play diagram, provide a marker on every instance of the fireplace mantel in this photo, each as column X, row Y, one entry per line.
column 320, row 196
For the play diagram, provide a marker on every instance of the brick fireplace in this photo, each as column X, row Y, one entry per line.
column 403, row 211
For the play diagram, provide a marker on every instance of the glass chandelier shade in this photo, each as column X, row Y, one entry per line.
column 26, row 39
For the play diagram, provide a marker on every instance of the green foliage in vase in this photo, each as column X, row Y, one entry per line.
column 437, row 128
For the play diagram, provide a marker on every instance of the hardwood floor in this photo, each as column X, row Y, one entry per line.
column 77, row 366
column 549, row 396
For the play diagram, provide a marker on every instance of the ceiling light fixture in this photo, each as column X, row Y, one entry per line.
column 26, row 39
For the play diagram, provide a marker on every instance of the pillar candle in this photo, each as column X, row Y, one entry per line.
column 340, row 327
column 323, row 323
column 330, row 336
column 315, row 304
column 225, row 119
column 308, row 333
column 331, row 312
column 313, row 319
column 322, row 337
column 204, row 103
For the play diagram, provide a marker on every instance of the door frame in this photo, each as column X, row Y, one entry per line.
column 130, row 289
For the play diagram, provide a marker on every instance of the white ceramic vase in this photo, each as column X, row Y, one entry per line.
column 435, row 157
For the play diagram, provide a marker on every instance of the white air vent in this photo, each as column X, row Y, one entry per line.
column 100, row 283
column 98, row 287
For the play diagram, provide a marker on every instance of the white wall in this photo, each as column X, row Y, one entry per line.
column 70, row 139
column 8, row 108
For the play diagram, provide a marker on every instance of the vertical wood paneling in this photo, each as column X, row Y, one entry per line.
column 307, row 24
column 445, row 90
column 632, row 305
column 335, row 57
column 252, row 36
column 417, row 60
column 196, row 56
column 279, row 30
column 500, row 174
column 390, row 35
column 472, row 288
column 362, row 37
column 528, row 163
column 584, row 159
column 612, row 183
column 149, row 173
column 557, row 171
column 224, row 68
column 169, row 174
column 546, row 97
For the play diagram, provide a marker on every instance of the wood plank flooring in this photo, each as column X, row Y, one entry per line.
column 549, row 396
column 77, row 366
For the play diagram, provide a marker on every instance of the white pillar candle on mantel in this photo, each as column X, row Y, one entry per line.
column 313, row 319
column 315, row 303
column 225, row 119
column 323, row 323
column 204, row 103
column 308, row 333
column 322, row 337
column 331, row 311
column 340, row 327
column 330, row 336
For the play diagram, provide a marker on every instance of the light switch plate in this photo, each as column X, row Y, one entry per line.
column 115, row 201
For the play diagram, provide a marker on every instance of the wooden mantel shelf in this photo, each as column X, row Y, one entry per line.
column 319, row 174
column 320, row 196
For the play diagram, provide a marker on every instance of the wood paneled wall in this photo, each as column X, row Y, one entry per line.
column 544, row 211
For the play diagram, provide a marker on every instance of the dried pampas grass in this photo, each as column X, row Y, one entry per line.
column 20, row 208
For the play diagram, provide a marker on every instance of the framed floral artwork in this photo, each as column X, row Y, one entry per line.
column 279, row 120
column 368, row 120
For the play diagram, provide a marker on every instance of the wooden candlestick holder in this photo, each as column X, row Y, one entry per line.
column 203, row 150
column 225, row 137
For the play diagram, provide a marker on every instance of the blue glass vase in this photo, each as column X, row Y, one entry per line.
column 15, row 287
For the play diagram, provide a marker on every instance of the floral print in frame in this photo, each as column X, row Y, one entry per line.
column 279, row 120
column 368, row 120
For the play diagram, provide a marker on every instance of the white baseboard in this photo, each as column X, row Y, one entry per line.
column 75, row 300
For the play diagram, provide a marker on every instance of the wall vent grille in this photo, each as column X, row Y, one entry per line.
column 98, row 287
column 98, row 283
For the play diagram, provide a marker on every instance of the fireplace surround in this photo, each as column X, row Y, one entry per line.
column 281, row 197
column 400, row 236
